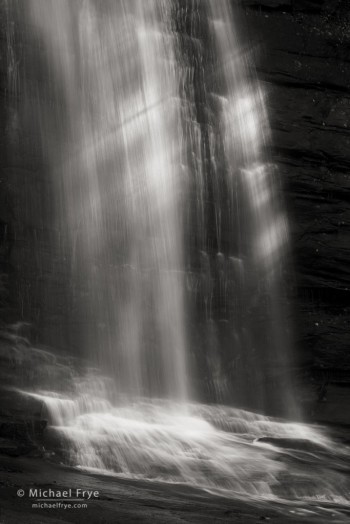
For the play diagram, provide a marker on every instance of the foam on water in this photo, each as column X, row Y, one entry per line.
column 215, row 448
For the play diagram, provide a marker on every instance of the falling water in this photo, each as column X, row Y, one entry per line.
column 154, row 129
column 165, row 204
column 122, row 184
column 261, row 235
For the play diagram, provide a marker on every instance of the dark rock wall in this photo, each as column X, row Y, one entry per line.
column 302, row 50
column 304, row 63
column 32, row 266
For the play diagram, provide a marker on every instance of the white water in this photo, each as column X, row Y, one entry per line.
column 209, row 447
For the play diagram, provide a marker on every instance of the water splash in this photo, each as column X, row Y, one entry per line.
column 223, row 450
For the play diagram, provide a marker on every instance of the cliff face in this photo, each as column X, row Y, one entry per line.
column 302, row 57
column 304, row 63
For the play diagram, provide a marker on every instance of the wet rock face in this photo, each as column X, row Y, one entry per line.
column 21, row 424
column 304, row 64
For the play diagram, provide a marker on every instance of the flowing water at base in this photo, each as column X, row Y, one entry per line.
column 224, row 450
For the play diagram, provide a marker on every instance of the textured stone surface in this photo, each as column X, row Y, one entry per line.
column 125, row 501
column 304, row 65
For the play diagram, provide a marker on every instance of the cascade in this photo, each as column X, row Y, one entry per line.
column 170, row 219
column 161, row 184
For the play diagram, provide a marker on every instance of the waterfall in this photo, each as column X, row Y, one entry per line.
column 256, row 218
column 120, row 184
column 167, row 209
column 168, row 215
